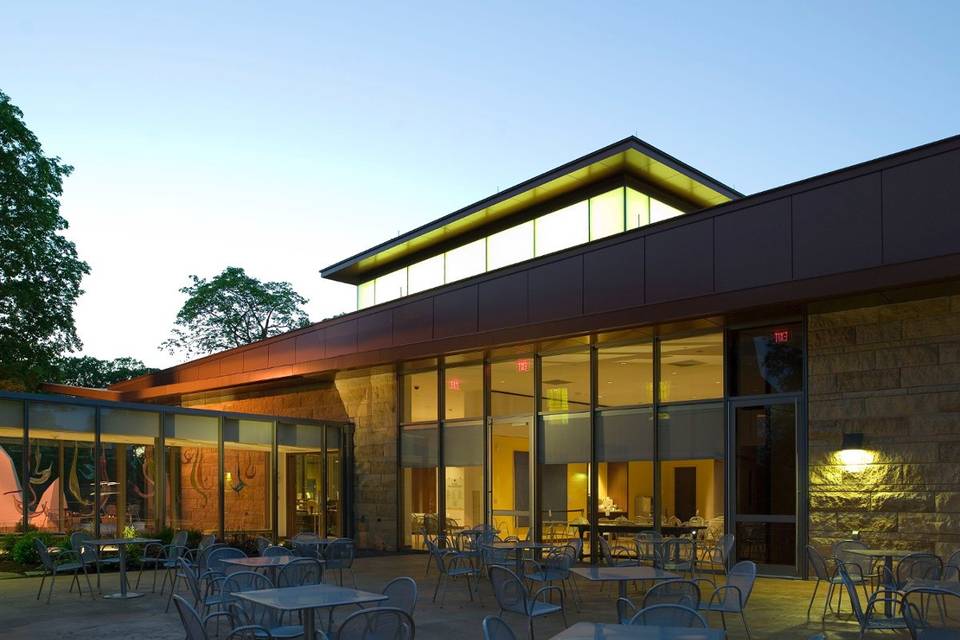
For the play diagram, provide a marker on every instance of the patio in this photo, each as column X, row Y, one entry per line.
column 777, row 609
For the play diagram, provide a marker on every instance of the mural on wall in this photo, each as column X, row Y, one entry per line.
column 44, row 513
column 194, row 458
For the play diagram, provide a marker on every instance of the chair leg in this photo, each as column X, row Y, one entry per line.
column 53, row 580
column 813, row 597
column 40, row 590
column 89, row 586
column 469, row 588
column 745, row 625
column 436, row 589
column 530, row 627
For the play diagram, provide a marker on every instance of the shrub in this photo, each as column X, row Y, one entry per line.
column 24, row 552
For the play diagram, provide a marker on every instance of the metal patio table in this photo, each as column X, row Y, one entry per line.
column 307, row 599
column 271, row 564
column 887, row 555
column 520, row 547
column 121, row 544
column 623, row 575
column 596, row 631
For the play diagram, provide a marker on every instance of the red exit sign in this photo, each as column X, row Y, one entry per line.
column 523, row 365
column 781, row 336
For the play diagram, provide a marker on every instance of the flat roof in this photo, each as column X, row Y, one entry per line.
column 630, row 155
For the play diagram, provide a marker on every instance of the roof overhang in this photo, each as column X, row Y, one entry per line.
column 630, row 156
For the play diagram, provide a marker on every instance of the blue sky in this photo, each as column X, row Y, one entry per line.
column 282, row 137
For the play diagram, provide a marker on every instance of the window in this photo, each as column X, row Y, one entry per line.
column 625, row 375
column 463, row 392
column 425, row 274
column 247, row 476
column 11, row 466
column 366, row 294
column 564, row 466
column 419, row 396
column 128, row 458
column 463, row 472
column 565, row 382
column 468, row 260
column 691, row 368
column 418, row 460
column 391, row 286
column 768, row 360
column 510, row 246
column 692, row 464
column 625, row 455
column 561, row 229
column 660, row 211
column 606, row 214
column 638, row 209
column 511, row 386
column 193, row 470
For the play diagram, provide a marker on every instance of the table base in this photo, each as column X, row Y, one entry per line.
column 123, row 596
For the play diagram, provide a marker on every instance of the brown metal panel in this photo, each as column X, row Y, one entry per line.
column 413, row 322
column 209, row 369
column 555, row 290
column 230, row 364
column 921, row 208
column 375, row 331
column 281, row 353
column 503, row 302
column 188, row 374
column 613, row 277
column 310, row 346
column 257, row 358
column 753, row 246
column 837, row 228
column 455, row 312
column 341, row 339
column 678, row 262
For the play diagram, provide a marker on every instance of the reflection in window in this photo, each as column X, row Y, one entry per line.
column 468, row 260
column 606, row 214
column 463, row 456
column 564, row 464
column 11, row 466
column 510, row 246
column 565, row 382
column 128, row 488
column 391, row 286
column 692, row 465
column 463, row 392
column 418, row 460
column 561, row 229
column 511, row 386
column 419, row 396
column 625, row 452
column 247, row 471
column 638, row 209
column 660, row 211
column 625, row 375
column 425, row 274
column 192, row 469
column 691, row 368
column 768, row 360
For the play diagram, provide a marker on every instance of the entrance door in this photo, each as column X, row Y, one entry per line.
column 510, row 475
column 765, row 484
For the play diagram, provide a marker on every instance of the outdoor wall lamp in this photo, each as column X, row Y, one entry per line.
column 852, row 455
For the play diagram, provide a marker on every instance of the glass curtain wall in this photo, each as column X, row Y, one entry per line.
column 247, row 477
column 11, row 468
column 419, row 457
column 129, row 450
column 300, row 490
column 333, row 514
column 462, row 433
column 512, row 404
column 192, row 469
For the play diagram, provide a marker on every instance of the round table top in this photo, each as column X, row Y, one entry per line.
column 881, row 553
column 621, row 574
column 522, row 544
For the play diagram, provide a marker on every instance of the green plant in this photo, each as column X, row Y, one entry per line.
column 129, row 531
column 24, row 551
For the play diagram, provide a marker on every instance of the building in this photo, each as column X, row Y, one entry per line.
column 625, row 342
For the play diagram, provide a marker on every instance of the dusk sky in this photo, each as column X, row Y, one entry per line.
column 283, row 137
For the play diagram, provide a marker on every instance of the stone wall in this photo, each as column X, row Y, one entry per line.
column 892, row 372
column 369, row 401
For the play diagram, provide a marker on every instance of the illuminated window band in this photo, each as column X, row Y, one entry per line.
column 604, row 215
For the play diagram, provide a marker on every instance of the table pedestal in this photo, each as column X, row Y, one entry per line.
column 123, row 594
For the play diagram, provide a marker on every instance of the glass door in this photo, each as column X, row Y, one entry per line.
column 510, row 473
column 764, row 480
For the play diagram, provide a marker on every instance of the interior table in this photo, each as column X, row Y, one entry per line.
column 307, row 599
column 636, row 527
column 121, row 544
column 623, row 575
column 271, row 564
column 888, row 556
column 520, row 547
column 596, row 631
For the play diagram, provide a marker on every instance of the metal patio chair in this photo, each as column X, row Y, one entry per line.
column 244, row 613
column 338, row 556
column 668, row 615
column 495, row 628
column 379, row 623
column 263, row 543
column 65, row 562
column 401, row 594
column 451, row 564
column 859, row 568
column 647, row 544
column 682, row 592
column 732, row 597
column 276, row 550
column 555, row 567
column 91, row 554
column 195, row 626
column 918, row 566
column 923, row 626
column 678, row 555
column 823, row 574
column 514, row 597
column 162, row 557
column 299, row 572
column 204, row 597
column 951, row 568
column 870, row 619
column 615, row 556
column 717, row 555
column 626, row 609
column 495, row 557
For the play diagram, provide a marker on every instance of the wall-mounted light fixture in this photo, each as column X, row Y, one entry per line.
column 852, row 455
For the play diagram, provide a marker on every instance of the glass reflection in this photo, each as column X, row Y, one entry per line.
column 511, row 386
column 565, row 382
column 691, row 368
column 625, row 375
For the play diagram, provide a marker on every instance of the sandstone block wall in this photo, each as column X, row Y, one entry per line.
column 892, row 372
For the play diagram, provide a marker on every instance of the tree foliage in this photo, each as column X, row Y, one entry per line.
column 40, row 271
column 233, row 309
column 87, row 371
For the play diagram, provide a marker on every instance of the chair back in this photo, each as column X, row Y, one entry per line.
column 625, row 610
column 216, row 557
column 494, row 555
column 495, row 628
column 508, row 590
column 647, row 544
column 951, row 568
column 179, row 539
column 918, row 602
column 843, row 551
column 190, row 575
column 378, row 623
column 919, row 566
column 606, row 555
column 87, row 553
column 725, row 546
column 677, row 550
column 300, row 572
column 192, row 623
column 206, row 541
column 818, row 563
column 742, row 576
column 339, row 554
column 851, row 592
column 44, row 554
column 263, row 543
column 305, row 549
column 401, row 594
column 437, row 554
column 203, row 556
column 240, row 581
column 682, row 592
column 668, row 615
column 276, row 550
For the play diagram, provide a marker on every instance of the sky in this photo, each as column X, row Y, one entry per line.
column 282, row 137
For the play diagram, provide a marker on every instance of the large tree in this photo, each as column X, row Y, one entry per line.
column 87, row 371
column 233, row 309
column 40, row 272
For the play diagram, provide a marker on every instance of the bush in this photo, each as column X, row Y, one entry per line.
column 24, row 551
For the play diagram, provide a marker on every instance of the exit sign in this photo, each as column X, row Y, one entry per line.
column 781, row 336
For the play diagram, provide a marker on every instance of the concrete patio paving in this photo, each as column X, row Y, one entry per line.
column 777, row 609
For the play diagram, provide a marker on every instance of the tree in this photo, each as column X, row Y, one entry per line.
column 40, row 271
column 87, row 371
column 231, row 310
